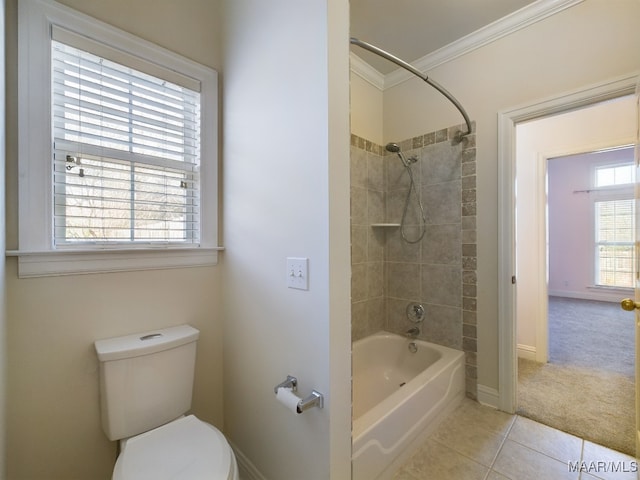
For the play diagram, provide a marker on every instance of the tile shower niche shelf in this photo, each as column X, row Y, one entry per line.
column 385, row 225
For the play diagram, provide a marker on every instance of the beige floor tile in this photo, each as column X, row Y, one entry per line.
column 521, row 463
column 496, row 476
column 465, row 444
column 471, row 414
column 602, row 462
column 476, row 443
column 547, row 440
column 403, row 474
column 435, row 461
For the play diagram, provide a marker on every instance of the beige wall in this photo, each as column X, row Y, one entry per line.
column 586, row 44
column 286, row 193
column 53, row 421
column 366, row 110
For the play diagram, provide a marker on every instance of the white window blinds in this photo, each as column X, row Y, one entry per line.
column 126, row 153
column 615, row 231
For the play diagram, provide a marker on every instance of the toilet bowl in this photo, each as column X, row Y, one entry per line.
column 146, row 384
column 187, row 448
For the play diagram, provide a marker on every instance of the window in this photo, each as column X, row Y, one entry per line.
column 118, row 149
column 607, row 176
column 615, row 225
column 126, row 153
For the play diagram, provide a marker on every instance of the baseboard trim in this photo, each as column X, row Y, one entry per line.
column 602, row 296
column 488, row 396
column 247, row 470
column 527, row 352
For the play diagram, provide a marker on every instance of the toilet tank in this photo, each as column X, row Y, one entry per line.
column 146, row 379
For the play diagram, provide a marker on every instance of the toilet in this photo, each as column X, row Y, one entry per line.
column 146, row 383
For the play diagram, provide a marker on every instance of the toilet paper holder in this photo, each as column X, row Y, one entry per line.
column 314, row 399
column 290, row 382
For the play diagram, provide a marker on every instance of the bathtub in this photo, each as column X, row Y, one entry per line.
column 398, row 399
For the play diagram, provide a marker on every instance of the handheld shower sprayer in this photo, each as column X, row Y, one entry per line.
column 395, row 148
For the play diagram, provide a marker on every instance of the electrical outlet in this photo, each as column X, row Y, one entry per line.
column 298, row 273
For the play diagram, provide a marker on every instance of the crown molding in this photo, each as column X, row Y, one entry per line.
column 513, row 22
column 366, row 71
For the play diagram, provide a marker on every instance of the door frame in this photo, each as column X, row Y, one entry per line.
column 507, row 121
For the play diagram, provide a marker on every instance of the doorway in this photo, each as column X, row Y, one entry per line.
column 509, row 276
column 584, row 384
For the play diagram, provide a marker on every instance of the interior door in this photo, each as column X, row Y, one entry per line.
column 637, row 251
column 634, row 304
column 627, row 303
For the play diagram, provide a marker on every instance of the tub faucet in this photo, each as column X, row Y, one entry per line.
column 413, row 332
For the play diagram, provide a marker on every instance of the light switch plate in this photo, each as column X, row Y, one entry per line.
column 298, row 273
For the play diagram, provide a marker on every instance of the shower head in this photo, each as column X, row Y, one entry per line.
column 393, row 148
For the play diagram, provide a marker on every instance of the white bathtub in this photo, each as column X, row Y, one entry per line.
column 398, row 399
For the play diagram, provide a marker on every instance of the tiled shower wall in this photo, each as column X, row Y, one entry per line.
column 439, row 271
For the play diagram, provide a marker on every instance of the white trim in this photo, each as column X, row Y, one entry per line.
column 52, row 263
column 247, row 470
column 542, row 323
column 507, row 120
column 365, row 71
column 33, row 201
column 528, row 352
column 507, row 25
column 507, row 357
column 488, row 396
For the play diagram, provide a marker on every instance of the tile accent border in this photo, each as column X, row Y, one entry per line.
column 469, row 265
column 366, row 145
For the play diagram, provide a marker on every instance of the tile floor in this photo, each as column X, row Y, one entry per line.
column 478, row 443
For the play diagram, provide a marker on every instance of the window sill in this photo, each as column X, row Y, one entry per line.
column 605, row 288
column 77, row 262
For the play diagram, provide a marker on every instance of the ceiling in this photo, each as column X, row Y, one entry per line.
column 411, row 29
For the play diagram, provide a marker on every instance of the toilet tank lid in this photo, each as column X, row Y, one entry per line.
column 145, row 343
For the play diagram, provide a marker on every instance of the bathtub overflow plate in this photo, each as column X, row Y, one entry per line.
column 415, row 312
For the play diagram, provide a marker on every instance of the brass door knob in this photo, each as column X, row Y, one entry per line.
column 629, row 305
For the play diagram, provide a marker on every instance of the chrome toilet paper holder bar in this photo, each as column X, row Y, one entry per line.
column 315, row 398
column 290, row 382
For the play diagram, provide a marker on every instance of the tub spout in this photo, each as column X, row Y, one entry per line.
column 413, row 332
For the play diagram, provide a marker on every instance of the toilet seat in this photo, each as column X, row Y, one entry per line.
column 186, row 449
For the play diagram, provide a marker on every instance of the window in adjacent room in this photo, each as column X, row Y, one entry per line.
column 614, row 208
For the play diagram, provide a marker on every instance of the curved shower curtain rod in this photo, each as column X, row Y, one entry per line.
column 417, row 73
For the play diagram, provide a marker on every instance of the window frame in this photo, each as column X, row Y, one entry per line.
column 616, row 192
column 37, row 254
column 597, row 244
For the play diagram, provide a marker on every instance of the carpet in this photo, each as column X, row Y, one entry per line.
column 591, row 334
column 587, row 388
